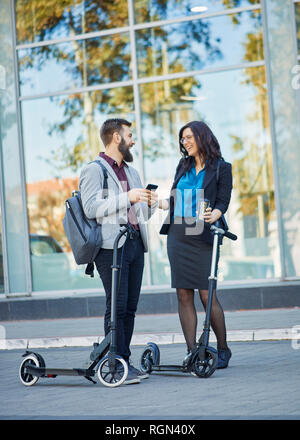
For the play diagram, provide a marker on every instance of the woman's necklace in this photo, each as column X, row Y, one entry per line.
column 199, row 167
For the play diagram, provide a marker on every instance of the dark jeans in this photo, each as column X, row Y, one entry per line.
column 131, row 274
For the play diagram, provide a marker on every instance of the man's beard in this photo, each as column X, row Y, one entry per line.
column 124, row 150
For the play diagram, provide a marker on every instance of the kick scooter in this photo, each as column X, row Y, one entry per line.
column 204, row 358
column 111, row 369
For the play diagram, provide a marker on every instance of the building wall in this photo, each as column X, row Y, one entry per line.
column 70, row 65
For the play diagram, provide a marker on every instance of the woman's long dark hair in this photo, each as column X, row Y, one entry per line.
column 208, row 146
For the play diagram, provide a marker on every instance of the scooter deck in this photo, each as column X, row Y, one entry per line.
column 170, row 368
column 53, row 372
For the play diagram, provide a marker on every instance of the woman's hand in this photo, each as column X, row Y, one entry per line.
column 163, row 204
column 210, row 216
column 152, row 198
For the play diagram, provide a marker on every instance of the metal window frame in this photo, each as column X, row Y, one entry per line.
column 295, row 45
column 21, row 156
column 145, row 80
column 137, row 109
column 3, row 226
column 274, row 144
column 131, row 30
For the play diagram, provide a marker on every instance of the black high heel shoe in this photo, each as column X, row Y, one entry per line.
column 223, row 358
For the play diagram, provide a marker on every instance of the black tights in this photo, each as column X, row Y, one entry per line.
column 188, row 316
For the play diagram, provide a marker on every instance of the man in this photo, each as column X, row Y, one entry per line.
column 127, row 201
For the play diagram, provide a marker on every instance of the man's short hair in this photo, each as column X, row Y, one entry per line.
column 109, row 127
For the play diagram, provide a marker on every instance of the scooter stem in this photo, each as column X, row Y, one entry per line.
column 212, row 285
column 114, row 286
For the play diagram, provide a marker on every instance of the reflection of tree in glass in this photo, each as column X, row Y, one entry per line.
column 164, row 50
column 82, row 107
column 162, row 108
column 90, row 62
column 237, row 3
column 297, row 13
column 38, row 20
column 148, row 10
column 88, row 65
column 252, row 167
column 176, row 48
column 7, row 116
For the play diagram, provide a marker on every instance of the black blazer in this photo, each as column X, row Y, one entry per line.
column 218, row 193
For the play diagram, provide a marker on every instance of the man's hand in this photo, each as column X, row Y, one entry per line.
column 139, row 195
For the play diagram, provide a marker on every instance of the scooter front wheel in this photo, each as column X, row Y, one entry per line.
column 149, row 357
column 113, row 378
column 27, row 378
column 205, row 367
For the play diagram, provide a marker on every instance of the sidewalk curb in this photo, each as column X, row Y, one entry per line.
column 163, row 338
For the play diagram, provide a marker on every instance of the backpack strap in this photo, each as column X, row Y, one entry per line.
column 105, row 186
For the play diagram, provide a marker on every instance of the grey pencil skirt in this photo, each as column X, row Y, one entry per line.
column 189, row 256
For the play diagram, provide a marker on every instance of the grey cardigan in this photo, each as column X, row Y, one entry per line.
column 111, row 210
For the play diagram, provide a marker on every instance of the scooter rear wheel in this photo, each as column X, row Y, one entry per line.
column 205, row 368
column 26, row 378
column 112, row 378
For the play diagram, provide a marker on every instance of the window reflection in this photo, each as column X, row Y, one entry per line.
column 200, row 44
column 61, row 135
column 152, row 10
column 234, row 105
column 39, row 20
column 297, row 13
column 74, row 64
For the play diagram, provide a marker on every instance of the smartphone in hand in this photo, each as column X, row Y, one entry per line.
column 151, row 187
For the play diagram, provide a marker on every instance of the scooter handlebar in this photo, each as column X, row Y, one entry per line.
column 216, row 227
column 230, row 235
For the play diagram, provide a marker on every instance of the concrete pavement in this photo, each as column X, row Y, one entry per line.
column 243, row 326
column 262, row 381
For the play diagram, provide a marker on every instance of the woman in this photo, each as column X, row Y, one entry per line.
column 189, row 249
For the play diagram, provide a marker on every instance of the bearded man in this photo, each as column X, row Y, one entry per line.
column 125, row 200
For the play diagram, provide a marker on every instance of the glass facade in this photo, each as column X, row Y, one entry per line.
column 286, row 135
column 199, row 44
column 245, row 142
column 74, row 64
column 158, row 64
column 60, row 135
column 38, row 21
column 297, row 14
column 12, row 178
column 151, row 11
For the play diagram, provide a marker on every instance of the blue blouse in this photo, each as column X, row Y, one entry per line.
column 188, row 192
